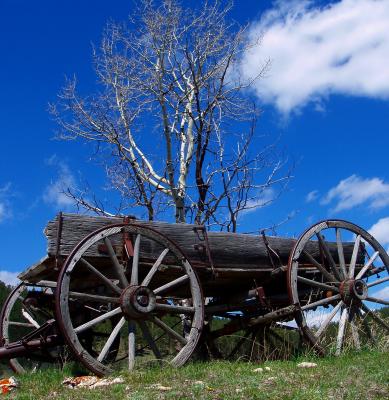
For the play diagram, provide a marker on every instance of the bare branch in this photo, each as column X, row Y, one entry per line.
column 171, row 118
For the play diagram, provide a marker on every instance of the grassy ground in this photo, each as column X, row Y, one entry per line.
column 353, row 376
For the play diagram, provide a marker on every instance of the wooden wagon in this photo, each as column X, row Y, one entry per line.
column 120, row 292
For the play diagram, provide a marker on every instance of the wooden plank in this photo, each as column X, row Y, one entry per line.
column 227, row 249
column 230, row 251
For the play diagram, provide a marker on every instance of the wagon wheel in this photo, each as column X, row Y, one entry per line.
column 338, row 275
column 139, row 283
column 23, row 313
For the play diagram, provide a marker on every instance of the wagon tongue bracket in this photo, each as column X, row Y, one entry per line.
column 41, row 338
column 137, row 302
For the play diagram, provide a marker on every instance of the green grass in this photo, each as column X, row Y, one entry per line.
column 362, row 375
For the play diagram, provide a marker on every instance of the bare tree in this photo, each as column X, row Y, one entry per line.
column 172, row 117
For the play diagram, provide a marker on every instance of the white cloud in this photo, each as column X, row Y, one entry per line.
column 9, row 278
column 264, row 198
column 354, row 191
column 311, row 196
column 3, row 212
column 380, row 230
column 382, row 294
column 341, row 48
column 54, row 193
column 5, row 206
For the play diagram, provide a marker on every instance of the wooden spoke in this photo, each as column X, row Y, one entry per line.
column 374, row 316
column 172, row 309
column 121, row 329
column 30, row 319
column 169, row 330
column 94, row 297
column 354, row 257
column 239, row 344
column 154, row 268
column 321, row 302
column 362, row 272
column 328, row 319
column 366, row 327
column 171, row 285
column 320, row 267
column 147, row 335
column 111, row 339
column 102, row 277
column 135, row 262
column 328, row 255
column 18, row 321
column 378, row 282
column 116, row 264
column 308, row 287
column 341, row 329
column 379, row 301
column 131, row 345
column 339, row 245
column 354, row 330
column 311, row 282
column 21, row 324
column 95, row 321
column 162, row 334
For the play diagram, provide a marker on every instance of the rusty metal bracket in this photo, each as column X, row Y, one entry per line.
column 261, row 296
column 207, row 248
column 272, row 254
column 127, row 239
column 39, row 332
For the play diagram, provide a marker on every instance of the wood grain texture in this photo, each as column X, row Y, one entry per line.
column 231, row 252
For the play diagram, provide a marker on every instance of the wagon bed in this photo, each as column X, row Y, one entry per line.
column 222, row 260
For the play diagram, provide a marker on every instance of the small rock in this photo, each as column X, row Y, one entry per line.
column 307, row 365
column 237, row 390
column 198, row 383
column 267, row 369
column 258, row 369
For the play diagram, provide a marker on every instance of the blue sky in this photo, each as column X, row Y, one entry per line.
column 326, row 95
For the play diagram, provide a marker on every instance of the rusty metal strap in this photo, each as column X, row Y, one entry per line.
column 272, row 254
column 127, row 238
column 207, row 247
column 128, row 219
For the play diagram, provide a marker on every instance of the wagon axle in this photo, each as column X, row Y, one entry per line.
column 353, row 290
column 137, row 302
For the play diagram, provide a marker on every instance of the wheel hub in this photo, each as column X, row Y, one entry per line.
column 137, row 301
column 352, row 289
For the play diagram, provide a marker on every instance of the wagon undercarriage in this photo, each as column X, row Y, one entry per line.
column 116, row 294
